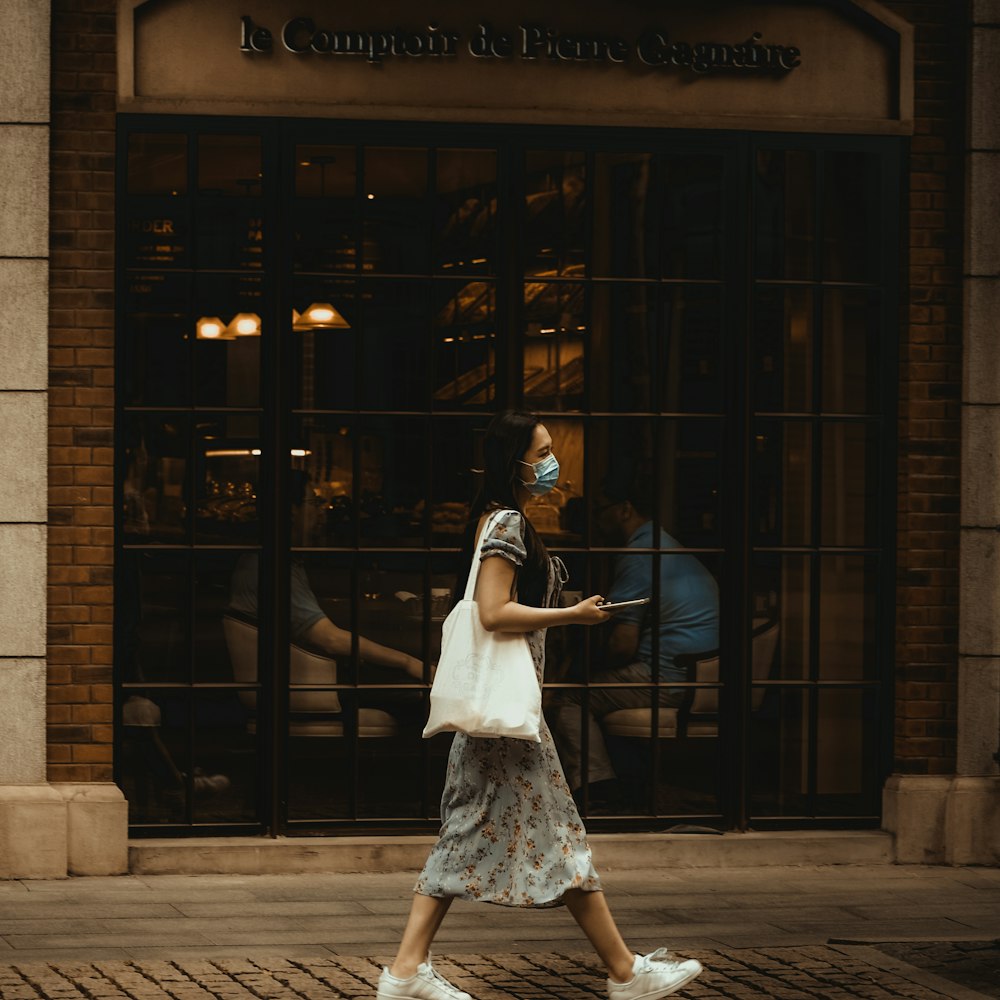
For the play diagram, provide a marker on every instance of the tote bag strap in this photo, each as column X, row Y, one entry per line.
column 470, row 587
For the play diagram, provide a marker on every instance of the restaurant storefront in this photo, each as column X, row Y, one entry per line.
column 313, row 250
column 316, row 316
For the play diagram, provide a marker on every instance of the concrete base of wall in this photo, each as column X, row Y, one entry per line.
column 51, row 831
column 943, row 820
column 619, row 851
column 32, row 832
column 96, row 828
column 973, row 821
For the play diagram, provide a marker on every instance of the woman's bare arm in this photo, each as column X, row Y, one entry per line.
column 500, row 613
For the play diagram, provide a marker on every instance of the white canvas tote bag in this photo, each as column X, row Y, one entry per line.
column 485, row 683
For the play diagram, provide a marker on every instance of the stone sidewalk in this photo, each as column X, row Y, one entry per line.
column 837, row 932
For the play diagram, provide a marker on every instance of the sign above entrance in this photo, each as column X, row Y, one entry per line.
column 812, row 65
column 529, row 42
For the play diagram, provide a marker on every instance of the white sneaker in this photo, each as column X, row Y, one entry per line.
column 654, row 976
column 426, row 984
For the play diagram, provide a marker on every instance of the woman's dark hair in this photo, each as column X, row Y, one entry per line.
column 508, row 437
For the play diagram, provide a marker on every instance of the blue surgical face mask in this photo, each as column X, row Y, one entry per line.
column 546, row 475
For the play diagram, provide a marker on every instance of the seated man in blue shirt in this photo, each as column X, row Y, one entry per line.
column 688, row 622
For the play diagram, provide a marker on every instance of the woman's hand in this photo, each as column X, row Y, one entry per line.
column 589, row 612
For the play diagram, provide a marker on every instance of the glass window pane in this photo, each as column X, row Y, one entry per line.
column 157, row 234
column 847, row 618
column 229, row 323
column 622, row 345
column 396, row 211
column 690, row 501
column 326, row 222
column 851, row 354
column 785, row 214
column 225, row 774
column 322, row 486
column 850, row 484
column 692, row 232
column 778, row 767
column 555, row 316
column 456, row 450
column 852, row 217
column 783, row 350
column 393, row 487
column 214, row 576
column 847, row 784
column 154, row 754
column 555, row 213
column 153, row 617
column 624, row 243
column 465, row 211
column 691, row 349
column 325, row 327
column 464, row 343
column 157, row 163
column 157, row 341
column 390, row 614
column 156, row 491
column 227, row 457
column 229, row 165
column 782, row 483
column 326, row 172
column 230, row 235
column 395, row 348
column 781, row 599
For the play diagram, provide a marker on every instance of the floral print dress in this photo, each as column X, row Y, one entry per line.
column 510, row 831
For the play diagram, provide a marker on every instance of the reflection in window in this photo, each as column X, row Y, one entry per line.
column 157, row 163
column 782, row 482
column 624, row 239
column 465, row 211
column 847, row 618
column 851, row 220
column 555, row 213
column 464, row 332
column 785, row 213
column 229, row 165
column 692, row 216
column 783, row 349
column 395, row 210
column 326, row 218
column 555, row 334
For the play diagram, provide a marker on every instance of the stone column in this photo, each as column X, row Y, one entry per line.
column 32, row 814
column 973, row 812
column 45, row 830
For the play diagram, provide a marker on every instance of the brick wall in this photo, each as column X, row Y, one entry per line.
column 930, row 391
column 81, row 379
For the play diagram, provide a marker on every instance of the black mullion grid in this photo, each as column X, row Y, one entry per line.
column 350, row 726
column 274, row 584
column 816, row 488
column 738, row 214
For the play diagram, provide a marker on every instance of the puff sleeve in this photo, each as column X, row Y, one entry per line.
column 505, row 538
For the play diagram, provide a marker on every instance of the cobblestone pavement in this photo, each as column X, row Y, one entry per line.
column 825, row 972
column 973, row 964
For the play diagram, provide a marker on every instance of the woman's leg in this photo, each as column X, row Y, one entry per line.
column 590, row 911
column 426, row 914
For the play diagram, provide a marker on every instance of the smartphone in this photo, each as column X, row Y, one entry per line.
column 625, row 604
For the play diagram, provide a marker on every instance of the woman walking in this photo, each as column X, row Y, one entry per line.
column 511, row 833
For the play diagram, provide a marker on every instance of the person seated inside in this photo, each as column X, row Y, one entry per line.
column 687, row 622
column 313, row 629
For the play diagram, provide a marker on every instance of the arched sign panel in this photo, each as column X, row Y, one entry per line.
column 834, row 66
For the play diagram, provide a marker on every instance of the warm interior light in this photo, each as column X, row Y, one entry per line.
column 210, row 328
column 320, row 316
column 245, row 325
